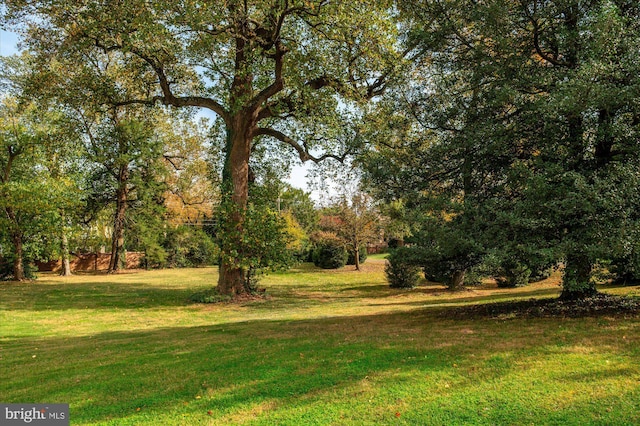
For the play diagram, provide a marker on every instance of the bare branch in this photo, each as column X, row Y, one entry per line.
column 540, row 52
column 168, row 97
column 184, row 201
column 180, row 101
column 170, row 159
column 302, row 150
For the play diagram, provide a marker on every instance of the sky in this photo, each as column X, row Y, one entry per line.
column 8, row 43
column 298, row 177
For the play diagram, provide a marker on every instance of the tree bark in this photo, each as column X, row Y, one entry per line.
column 18, row 268
column 117, row 239
column 456, row 282
column 64, row 249
column 233, row 279
column 576, row 281
column 16, row 239
column 357, row 257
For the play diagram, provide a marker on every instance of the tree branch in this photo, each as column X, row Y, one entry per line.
column 536, row 38
column 168, row 97
column 170, row 159
column 278, row 82
column 302, row 150
column 180, row 101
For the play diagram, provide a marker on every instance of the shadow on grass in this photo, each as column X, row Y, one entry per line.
column 224, row 369
column 221, row 368
column 36, row 296
column 447, row 300
column 418, row 297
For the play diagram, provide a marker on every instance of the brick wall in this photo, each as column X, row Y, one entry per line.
column 91, row 262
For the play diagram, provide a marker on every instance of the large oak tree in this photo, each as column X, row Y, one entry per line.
column 287, row 70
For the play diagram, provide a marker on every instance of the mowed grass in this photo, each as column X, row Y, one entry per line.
column 325, row 347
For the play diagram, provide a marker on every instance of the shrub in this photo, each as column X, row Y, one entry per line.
column 625, row 271
column 299, row 245
column 399, row 271
column 351, row 259
column 540, row 274
column 155, row 257
column 513, row 274
column 394, row 243
column 473, row 277
column 329, row 252
column 261, row 246
column 186, row 247
column 6, row 269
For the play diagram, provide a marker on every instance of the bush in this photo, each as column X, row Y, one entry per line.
column 351, row 259
column 300, row 245
column 329, row 252
column 6, row 269
column 474, row 277
column 394, row 243
column 155, row 257
column 399, row 272
column 187, row 247
column 261, row 245
column 513, row 274
column 625, row 270
column 540, row 274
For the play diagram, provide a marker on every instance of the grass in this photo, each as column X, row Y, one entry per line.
column 325, row 347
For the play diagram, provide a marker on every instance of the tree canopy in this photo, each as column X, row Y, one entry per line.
column 504, row 130
column 519, row 134
column 289, row 71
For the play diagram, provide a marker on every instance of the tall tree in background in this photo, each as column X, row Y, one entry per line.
column 121, row 150
column 17, row 142
column 61, row 143
column 282, row 69
column 55, row 145
column 126, row 156
column 34, row 194
column 357, row 223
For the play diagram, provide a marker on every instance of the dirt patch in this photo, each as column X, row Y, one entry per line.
column 596, row 306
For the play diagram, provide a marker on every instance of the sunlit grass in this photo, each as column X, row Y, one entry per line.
column 324, row 347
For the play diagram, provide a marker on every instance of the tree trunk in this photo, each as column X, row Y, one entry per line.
column 456, row 282
column 233, row 279
column 117, row 239
column 18, row 268
column 576, row 282
column 16, row 239
column 64, row 249
column 357, row 258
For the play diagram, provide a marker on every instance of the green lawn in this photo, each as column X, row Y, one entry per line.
column 325, row 347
